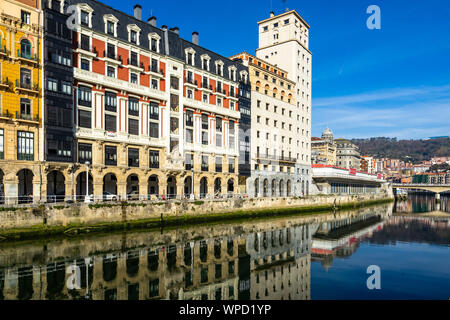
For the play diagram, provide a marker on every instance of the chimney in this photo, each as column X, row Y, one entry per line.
column 195, row 37
column 176, row 30
column 138, row 12
column 272, row 14
column 152, row 21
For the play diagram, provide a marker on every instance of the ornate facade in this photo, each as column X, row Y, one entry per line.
column 20, row 100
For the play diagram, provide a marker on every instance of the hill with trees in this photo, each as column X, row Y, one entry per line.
column 406, row 150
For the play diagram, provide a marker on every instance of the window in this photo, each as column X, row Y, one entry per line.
column 84, row 119
column 154, row 129
column 111, row 72
column 85, row 65
column 25, row 145
column 84, row 96
column 25, row 108
column 265, row 28
column 52, row 85
column 133, row 157
column 154, row 288
column 154, row 117
column 154, row 159
column 84, row 18
column 174, row 83
column 110, row 101
column 133, row 126
column 190, row 94
column 84, row 153
column 154, row 45
column 66, row 88
column 111, row 51
column 231, row 135
column 218, row 132
column 219, row 102
column 189, row 161
column 25, row 78
column 205, row 160
column 85, row 43
column 133, row 36
column 110, row 27
column 133, row 106
column 205, row 98
column 286, row 21
column 231, row 166
column 154, row 84
column 2, row 144
column 134, row 59
column 134, row 78
column 218, row 164
column 110, row 123
column 25, row 17
column 205, row 128
column 111, row 155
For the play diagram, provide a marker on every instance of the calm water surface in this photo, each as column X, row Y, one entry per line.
column 316, row 257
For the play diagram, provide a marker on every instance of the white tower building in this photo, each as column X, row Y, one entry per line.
column 284, row 42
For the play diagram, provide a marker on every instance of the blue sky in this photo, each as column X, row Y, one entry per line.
column 393, row 82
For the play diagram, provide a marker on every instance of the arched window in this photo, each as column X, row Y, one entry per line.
column 25, row 48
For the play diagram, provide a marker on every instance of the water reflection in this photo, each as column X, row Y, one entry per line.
column 422, row 203
column 262, row 259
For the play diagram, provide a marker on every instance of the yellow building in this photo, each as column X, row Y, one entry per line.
column 20, row 100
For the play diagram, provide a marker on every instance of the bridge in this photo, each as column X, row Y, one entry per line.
column 436, row 188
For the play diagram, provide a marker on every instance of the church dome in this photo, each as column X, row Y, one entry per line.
column 327, row 134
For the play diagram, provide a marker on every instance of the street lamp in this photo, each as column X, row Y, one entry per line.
column 192, row 190
column 87, row 198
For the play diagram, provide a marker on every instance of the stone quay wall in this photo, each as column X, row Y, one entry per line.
column 92, row 214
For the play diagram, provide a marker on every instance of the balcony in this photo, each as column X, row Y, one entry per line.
column 90, row 77
column 155, row 71
column 274, row 158
column 86, row 49
column 5, row 84
column 135, row 65
column 112, row 57
column 3, row 51
column 207, row 87
column 27, row 88
column 190, row 82
column 27, row 58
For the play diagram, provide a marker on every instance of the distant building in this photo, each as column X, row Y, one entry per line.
column 347, row 154
column 323, row 150
column 370, row 163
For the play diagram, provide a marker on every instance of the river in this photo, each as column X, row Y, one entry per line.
column 320, row 256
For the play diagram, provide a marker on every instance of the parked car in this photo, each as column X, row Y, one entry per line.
column 134, row 195
column 107, row 196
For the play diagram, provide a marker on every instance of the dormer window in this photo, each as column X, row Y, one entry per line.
column 133, row 36
column 190, row 56
column 154, row 39
column 219, row 68
column 110, row 24
column 85, row 14
column 110, row 27
column 232, row 72
column 133, row 33
column 205, row 62
column 85, row 18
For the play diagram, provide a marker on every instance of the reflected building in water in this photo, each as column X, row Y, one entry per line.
column 262, row 265
column 341, row 238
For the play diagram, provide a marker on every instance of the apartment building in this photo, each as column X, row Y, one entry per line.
column 20, row 100
column 284, row 43
column 153, row 110
column 274, row 147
